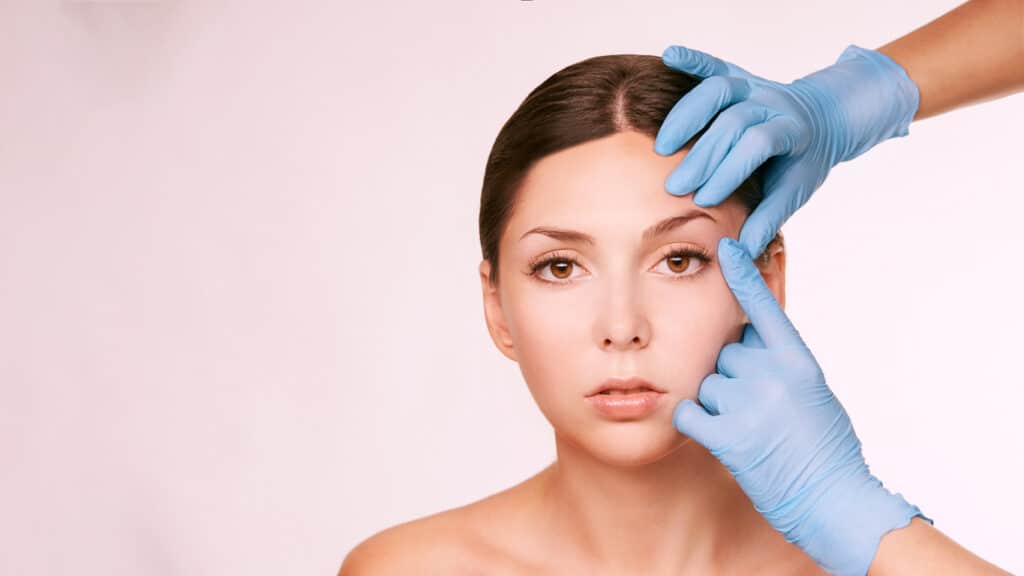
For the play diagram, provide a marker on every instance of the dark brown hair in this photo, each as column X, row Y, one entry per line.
column 585, row 101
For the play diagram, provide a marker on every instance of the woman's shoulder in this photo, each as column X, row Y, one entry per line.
column 435, row 541
column 456, row 541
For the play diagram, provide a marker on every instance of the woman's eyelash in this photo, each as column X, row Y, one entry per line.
column 539, row 264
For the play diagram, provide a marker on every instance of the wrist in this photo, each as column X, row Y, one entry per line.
column 852, row 521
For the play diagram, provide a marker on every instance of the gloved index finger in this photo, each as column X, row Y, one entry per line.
column 746, row 283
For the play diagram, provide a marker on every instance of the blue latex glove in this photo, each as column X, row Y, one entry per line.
column 769, row 417
column 805, row 127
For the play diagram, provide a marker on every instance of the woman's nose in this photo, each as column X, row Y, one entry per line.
column 624, row 343
column 623, row 326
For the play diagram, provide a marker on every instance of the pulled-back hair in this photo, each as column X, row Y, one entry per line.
column 585, row 101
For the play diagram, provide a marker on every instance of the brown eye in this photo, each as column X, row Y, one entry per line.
column 560, row 266
column 678, row 264
column 684, row 262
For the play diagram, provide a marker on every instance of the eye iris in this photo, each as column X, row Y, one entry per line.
column 563, row 265
column 683, row 260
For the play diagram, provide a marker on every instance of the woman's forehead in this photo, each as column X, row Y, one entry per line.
column 616, row 182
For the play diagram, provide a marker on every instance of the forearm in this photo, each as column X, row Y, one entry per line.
column 970, row 54
column 919, row 548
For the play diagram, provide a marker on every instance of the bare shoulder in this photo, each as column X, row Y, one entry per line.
column 455, row 541
column 434, row 542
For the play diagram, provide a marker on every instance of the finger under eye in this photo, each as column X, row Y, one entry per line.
column 753, row 295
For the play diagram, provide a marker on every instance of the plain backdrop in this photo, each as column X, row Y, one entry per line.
column 241, row 326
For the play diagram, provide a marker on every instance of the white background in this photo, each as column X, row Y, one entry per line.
column 240, row 320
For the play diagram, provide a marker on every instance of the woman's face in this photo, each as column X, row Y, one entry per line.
column 626, row 307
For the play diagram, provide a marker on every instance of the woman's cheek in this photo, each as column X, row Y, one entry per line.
column 545, row 322
column 550, row 336
column 694, row 327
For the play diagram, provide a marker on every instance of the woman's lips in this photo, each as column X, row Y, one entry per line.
column 627, row 405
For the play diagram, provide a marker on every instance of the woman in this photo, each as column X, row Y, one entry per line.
column 606, row 292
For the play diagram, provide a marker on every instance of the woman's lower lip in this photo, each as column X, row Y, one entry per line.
column 626, row 406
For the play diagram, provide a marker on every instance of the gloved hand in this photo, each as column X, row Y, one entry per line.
column 805, row 128
column 771, row 419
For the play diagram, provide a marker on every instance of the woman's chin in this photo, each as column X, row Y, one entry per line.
column 630, row 444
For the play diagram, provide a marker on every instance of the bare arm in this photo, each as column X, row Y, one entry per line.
column 970, row 54
column 920, row 548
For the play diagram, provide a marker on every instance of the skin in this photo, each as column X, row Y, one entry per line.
column 920, row 548
column 968, row 55
column 631, row 496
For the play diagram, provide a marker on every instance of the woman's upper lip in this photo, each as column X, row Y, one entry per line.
column 624, row 384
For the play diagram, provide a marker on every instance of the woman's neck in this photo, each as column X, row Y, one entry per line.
column 675, row 515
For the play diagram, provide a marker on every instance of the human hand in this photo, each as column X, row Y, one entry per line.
column 771, row 419
column 805, row 128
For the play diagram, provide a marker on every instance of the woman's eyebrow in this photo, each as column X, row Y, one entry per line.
column 653, row 231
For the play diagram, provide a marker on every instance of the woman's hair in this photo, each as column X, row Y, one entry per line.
column 588, row 100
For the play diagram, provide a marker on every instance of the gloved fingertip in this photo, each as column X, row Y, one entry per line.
column 661, row 146
column 754, row 240
column 705, row 199
column 678, row 183
column 730, row 247
column 671, row 54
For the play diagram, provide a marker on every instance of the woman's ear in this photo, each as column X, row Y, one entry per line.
column 772, row 264
column 494, row 314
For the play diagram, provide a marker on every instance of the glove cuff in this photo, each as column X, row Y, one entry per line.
column 905, row 96
column 866, row 93
column 846, row 541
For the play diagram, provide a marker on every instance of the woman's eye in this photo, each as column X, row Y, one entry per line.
column 561, row 269
column 682, row 263
column 679, row 263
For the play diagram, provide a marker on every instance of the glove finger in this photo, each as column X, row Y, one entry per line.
column 751, row 339
column 758, row 144
column 693, row 61
column 700, row 63
column 753, row 295
column 730, row 359
column 764, row 222
column 712, row 393
column 738, row 360
column 713, row 146
column 693, row 421
column 695, row 109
